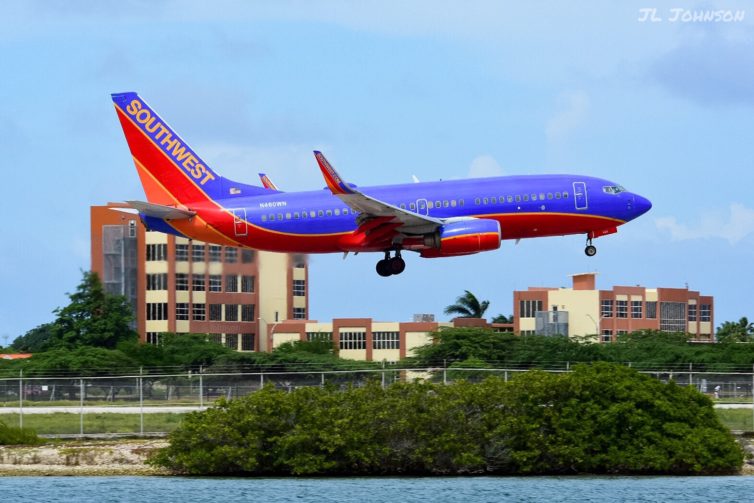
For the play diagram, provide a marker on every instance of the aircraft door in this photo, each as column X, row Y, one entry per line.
column 579, row 195
column 239, row 222
column 422, row 208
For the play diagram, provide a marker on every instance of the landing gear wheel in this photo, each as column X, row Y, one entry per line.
column 383, row 268
column 590, row 250
column 396, row 265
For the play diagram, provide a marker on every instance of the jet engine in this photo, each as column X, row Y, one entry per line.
column 464, row 237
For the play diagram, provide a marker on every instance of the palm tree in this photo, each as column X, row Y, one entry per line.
column 732, row 331
column 468, row 306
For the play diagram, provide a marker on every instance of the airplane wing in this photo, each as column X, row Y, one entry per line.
column 371, row 208
column 267, row 183
column 160, row 211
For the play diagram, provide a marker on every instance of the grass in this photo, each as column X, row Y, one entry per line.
column 736, row 419
column 63, row 423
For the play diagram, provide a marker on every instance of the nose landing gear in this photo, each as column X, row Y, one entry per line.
column 390, row 266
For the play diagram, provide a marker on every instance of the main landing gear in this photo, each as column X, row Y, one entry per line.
column 389, row 266
column 590, row 249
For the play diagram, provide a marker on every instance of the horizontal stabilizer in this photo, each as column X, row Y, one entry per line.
column 161, row 211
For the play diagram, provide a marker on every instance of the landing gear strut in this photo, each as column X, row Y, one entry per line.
column 390, row 266
column 590, row 249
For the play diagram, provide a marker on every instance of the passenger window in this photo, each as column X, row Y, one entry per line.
column 453, row 203
column 345, row 211
column 403, row 206
column 565, row 195
column 437, row 204
column 264, row 218
column 460, row 202
column 477, row 201
column 549, row 195
column 280, row 216
column 486, row 201
column 312, row 214
column 287, row 216
column 445, row 204
column 337, row 212
column 329, row 213
column 557, row 195
column 510, row 199
column 304, row 214
column 412, row 206
column 518, row 199
column 533, row 197
column 295, row 215
column 430, row 204
column 272, row 216
column 541, row 196
column 526, row 197
column 320, row 213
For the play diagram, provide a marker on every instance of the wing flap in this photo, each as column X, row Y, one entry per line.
column 161, row 211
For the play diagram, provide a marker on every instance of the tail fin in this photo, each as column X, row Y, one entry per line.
column 171, row 172
column 267, row 183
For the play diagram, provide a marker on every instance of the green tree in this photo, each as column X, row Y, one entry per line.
column 93, row 317
column 735, row 331
column 501, row 318
column 35, row 340
column 468, row 306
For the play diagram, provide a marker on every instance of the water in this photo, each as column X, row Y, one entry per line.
column 369, row 490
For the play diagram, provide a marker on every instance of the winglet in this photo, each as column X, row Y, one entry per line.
column 267, row 183
column 334, row 181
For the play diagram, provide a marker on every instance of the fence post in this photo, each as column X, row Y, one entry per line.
column 261, row 379
column 201, row 386
column 445, row 371
column 752, row 397
column 323, row 379
column 21, row 398
column 81, row 405
column 141, row 401
column 691, row 374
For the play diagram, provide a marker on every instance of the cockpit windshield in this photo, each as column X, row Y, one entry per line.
column 613, row 189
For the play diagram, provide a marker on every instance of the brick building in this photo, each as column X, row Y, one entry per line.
column 179, row 285
column 583, row 310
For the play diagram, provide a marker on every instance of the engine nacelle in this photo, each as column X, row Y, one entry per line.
column 463, row 238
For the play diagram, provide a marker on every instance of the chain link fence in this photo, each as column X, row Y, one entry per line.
column 152, row 404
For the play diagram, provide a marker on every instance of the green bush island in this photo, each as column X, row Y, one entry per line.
column 601, row 418
column 10, row 435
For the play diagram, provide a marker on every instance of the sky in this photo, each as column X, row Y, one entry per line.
column 655, row 100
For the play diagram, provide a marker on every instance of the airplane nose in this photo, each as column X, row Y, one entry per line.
column 641, row 205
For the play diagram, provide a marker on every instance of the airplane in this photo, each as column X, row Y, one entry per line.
column 187, row 198
column 267, row 183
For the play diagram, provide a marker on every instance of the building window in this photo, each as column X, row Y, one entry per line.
column 651, row 310
column 231, row 341
column 231, row 255
column 215, row 312
column 353, row 340
column 247, row 256
column 215, row 283
column 247, row 284
column 622, row 332
column 386, row 340
column 231, row 312
column 181, row 281
column 181, row 253
column 636, row 309
column 673, row 316
column 197, row 283
column 247, row 342
column 299, row 288
column 606, row 308
column 181, row 311
column 607, row 335
column 318, row 336
column 247, row 312
column 705, row 312
column 215, row 253
column 197, row 252
column 153, row 338
column 231, row 283
column 692, row 312
column 157, row 310
column 621, row 308
column 299, row 313
column 157, row 281
column 529, row 308
column 199, row 312
column 157, row 252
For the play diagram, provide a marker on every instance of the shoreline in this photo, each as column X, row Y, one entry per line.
column 122, row 457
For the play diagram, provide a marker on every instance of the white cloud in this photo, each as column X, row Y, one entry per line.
column 573, row 108
column 733, row 227
column 484, row 165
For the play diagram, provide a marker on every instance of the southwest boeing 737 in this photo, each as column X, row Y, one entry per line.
column 435, row 219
